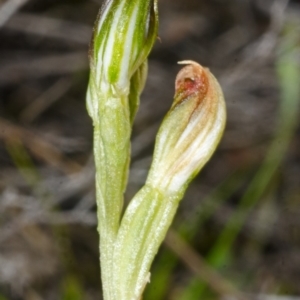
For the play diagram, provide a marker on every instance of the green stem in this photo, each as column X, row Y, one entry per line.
column 111, row 159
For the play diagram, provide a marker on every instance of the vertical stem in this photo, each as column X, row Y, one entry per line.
column 111, row 148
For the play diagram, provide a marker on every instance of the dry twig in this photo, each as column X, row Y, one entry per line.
column 38, row 146
column 200, row 268
column 9, row 8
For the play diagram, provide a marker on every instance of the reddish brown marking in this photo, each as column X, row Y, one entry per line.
column 191, row 81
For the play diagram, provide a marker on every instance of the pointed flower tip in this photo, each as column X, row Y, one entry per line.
column 123, row 37
column 192, row 80
column 191, row 130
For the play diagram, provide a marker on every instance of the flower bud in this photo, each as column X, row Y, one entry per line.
column 190, row 131
column 123, row 37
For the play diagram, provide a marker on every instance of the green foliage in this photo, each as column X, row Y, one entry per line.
column 71, row 289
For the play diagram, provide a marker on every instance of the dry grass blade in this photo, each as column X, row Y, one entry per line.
column 200, row 268
column 50, row 28
column 276, row 297
column 8, row 9
column 256, row 53
column 38, row 146
column 49, row 97
column 37, row 67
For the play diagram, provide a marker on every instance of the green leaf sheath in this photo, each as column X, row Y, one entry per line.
column 142, row 230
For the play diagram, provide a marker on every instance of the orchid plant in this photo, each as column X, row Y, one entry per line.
column 124, row 34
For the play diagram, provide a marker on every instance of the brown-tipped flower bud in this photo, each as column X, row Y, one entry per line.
column 190, row 131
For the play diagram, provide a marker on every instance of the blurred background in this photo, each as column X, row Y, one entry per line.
column 237, row 231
